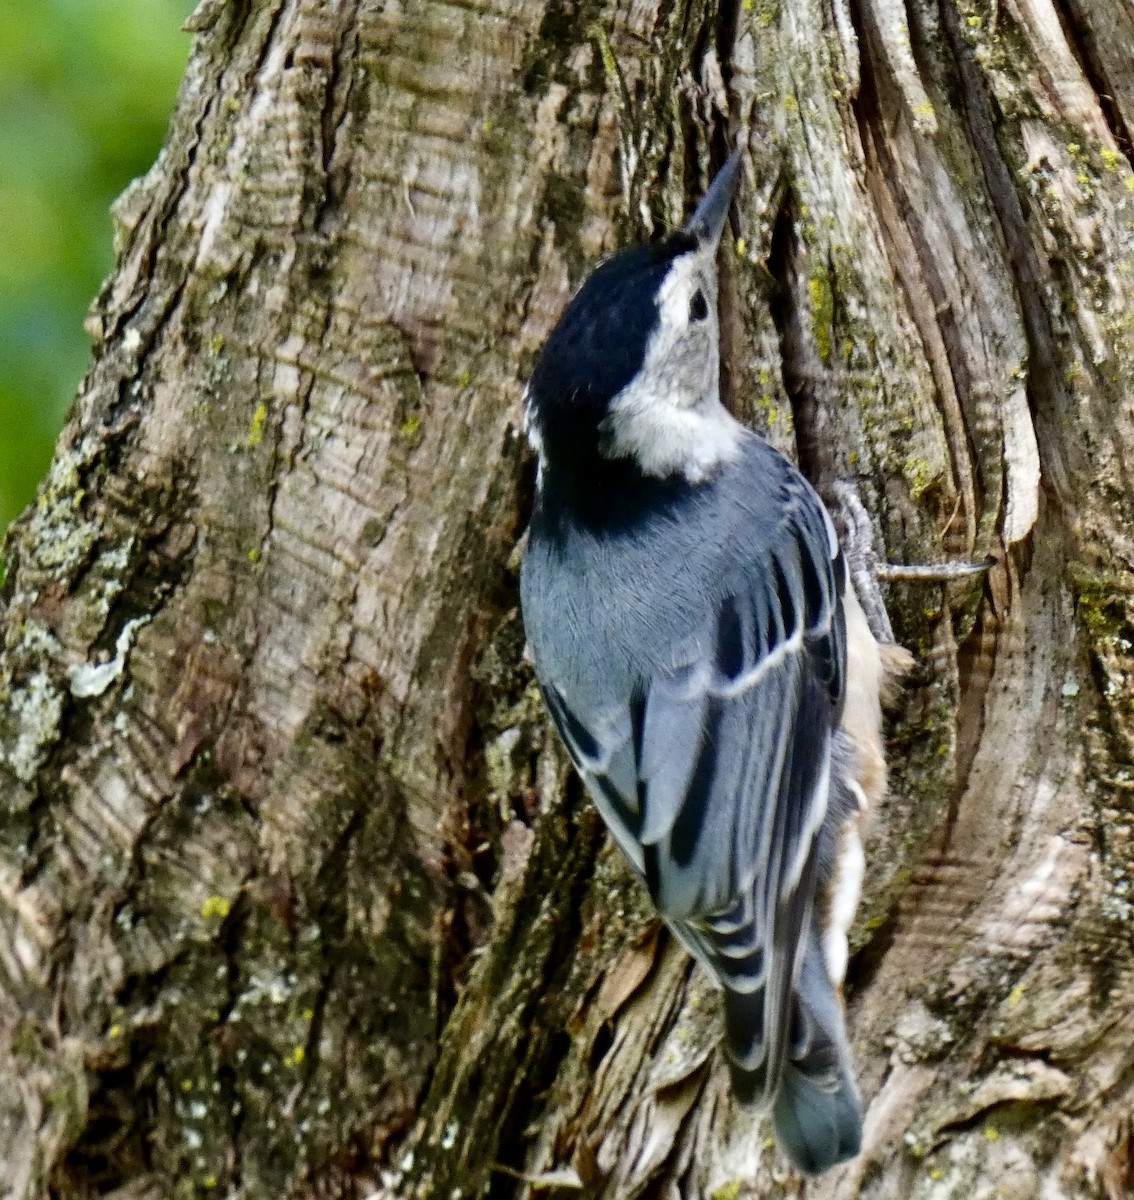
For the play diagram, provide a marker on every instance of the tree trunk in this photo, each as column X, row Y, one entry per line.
column 298, row 897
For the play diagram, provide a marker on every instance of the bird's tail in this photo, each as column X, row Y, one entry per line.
column 815, row 1104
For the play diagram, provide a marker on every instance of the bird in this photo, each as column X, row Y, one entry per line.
column 702, row 653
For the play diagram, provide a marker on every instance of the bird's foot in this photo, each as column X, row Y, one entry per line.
column 867, row 570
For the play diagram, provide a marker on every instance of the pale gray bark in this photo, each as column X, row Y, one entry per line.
column 297, row 896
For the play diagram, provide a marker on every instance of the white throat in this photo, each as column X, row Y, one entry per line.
column 667, row 437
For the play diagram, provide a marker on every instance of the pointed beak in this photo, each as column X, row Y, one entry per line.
column 708, row 222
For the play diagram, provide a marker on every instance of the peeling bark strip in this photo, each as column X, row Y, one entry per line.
column 297, row 897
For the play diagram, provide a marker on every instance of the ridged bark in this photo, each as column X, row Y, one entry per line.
column 297, row 895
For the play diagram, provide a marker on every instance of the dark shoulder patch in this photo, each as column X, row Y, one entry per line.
column 785, row 599
column 687, row 829
column 729, row 651
column 812, row 590
column 579, row 740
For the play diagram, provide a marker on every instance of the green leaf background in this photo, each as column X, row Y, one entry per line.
column 86, row 89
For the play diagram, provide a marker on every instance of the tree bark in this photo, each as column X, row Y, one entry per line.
column 298, row 897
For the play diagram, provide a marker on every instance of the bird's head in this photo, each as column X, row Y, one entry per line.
column 632, row 370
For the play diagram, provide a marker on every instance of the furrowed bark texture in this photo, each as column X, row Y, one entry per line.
column 297, row 895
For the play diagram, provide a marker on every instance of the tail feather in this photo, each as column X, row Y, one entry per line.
column 815, row 1106
column 817, row 1127
column 744, row 1041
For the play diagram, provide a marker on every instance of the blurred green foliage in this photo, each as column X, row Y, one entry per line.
column 86, row 89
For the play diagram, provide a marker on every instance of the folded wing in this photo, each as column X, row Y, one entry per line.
column 714, row 776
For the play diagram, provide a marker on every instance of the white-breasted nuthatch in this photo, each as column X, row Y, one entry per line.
column 708, row 666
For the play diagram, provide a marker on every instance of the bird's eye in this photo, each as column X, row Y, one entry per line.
column 698, row 306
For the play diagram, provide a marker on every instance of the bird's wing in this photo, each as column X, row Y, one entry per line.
column 714, row 779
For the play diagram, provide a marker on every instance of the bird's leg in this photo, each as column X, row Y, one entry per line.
column 862, row 561
column 866, row 570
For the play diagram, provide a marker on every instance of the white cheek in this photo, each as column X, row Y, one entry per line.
column 670, row 418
